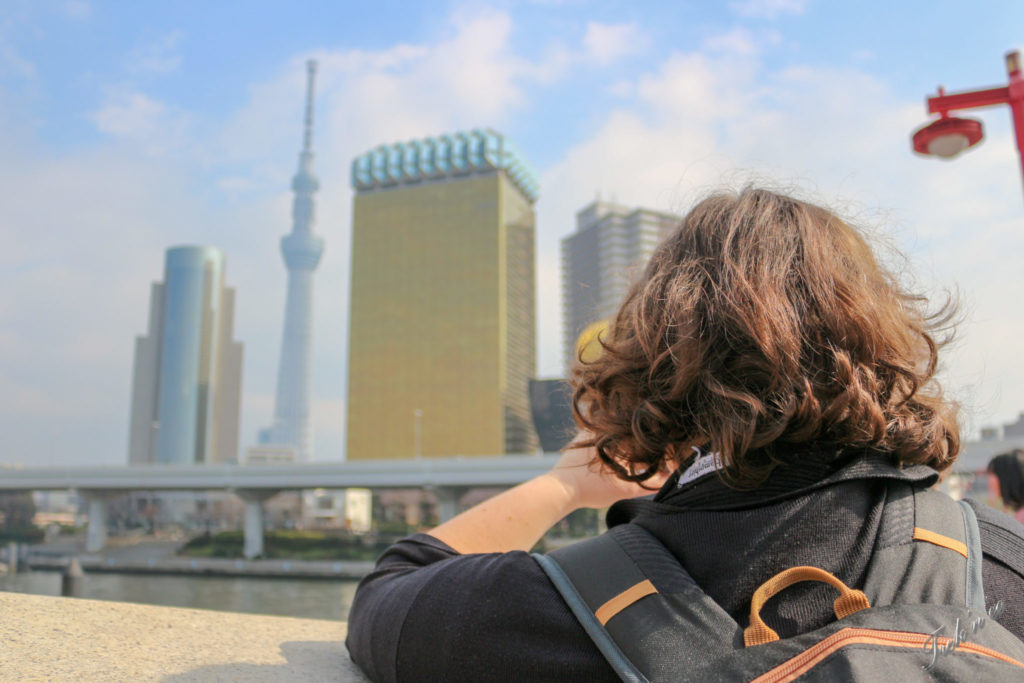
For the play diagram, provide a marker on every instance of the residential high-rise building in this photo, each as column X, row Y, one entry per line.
column 600, row 261
column 301, row 250
column 188, row 372
column 442, row 327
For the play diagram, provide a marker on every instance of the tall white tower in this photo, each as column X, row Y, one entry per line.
column 301, row 251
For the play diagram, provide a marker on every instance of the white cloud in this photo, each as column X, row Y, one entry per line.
column 738, row 40
column 13, row 63
column 623, row 88
column 471, row 78
column 741, row 41
column 77, row 9
column 130, row 115
column 695, row 86
column 605, row 43
column 136, row 118
column 767, row 9
column 158, row 57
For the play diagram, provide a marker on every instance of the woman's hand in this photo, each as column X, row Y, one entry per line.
column 590, row 484
column 516, row 519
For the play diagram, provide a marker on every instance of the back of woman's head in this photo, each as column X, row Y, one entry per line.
column 763, row 320
column 1009, row 470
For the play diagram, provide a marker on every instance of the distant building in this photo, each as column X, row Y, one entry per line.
column 1014, row 429
column 551, row 406
column 188, row 372
column 1010, row 430
column 270, row 454
column 301, row 250
column 442, row 328
column 350, row 509
column 600, row 261
column 991, row 433
column 551, row 399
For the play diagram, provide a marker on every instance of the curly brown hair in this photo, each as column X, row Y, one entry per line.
column 764, row 319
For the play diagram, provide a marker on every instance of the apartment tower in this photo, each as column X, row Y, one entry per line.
column 600, row 261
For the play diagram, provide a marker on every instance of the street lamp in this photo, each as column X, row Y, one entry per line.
column 948, row 135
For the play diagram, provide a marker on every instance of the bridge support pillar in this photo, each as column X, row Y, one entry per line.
column 96, row 533
column 253, row 529
column 448, row 498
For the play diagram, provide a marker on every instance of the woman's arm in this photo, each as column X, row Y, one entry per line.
column 516, row 519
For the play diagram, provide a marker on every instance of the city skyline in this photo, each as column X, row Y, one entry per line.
column 126, row 129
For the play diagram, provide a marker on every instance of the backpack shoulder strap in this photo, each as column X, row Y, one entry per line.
column 603, row 551
column 928, row 550
column 1002, row 536
column 630, row 593
column 975, row 585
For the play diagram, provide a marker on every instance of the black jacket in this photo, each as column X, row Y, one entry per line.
column 429, row 613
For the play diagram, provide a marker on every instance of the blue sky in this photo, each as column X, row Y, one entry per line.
column 129, row 127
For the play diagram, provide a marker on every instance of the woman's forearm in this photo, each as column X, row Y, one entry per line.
column 519, row 517
column 512, row 520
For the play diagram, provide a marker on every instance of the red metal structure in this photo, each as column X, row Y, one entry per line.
column 949, row 135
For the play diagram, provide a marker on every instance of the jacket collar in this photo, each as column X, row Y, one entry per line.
column 805, row 468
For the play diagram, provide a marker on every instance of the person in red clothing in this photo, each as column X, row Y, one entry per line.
column 773, row 382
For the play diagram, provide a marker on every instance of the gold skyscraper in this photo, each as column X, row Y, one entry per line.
column 442, row 328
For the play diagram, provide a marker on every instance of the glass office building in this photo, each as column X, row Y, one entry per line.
column 442, row 327
column 188, row 372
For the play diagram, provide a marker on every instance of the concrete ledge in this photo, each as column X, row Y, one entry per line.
column 67, row 639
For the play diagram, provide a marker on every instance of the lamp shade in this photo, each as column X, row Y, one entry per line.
column 947, row 136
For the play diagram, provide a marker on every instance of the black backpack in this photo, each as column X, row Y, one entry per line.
column 920, row 616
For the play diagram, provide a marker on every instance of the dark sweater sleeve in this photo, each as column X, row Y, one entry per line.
column 383, row 598
column 429, row 613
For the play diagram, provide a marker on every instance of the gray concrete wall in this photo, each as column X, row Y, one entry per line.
column 61, row 639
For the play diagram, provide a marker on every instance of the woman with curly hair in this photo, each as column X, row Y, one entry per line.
column 772, row 382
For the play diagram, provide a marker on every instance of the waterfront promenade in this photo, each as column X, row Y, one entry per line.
column 213, row 566
column 67, row 639
column 216, row 566
column 145, row 555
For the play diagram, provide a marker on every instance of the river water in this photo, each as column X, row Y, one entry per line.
column 314, row 599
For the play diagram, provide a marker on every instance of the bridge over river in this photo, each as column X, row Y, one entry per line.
column 448, row 478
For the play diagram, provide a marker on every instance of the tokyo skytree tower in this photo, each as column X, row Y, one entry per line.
column 301, row 250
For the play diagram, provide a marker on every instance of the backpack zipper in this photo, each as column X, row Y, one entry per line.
column 803, row 662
